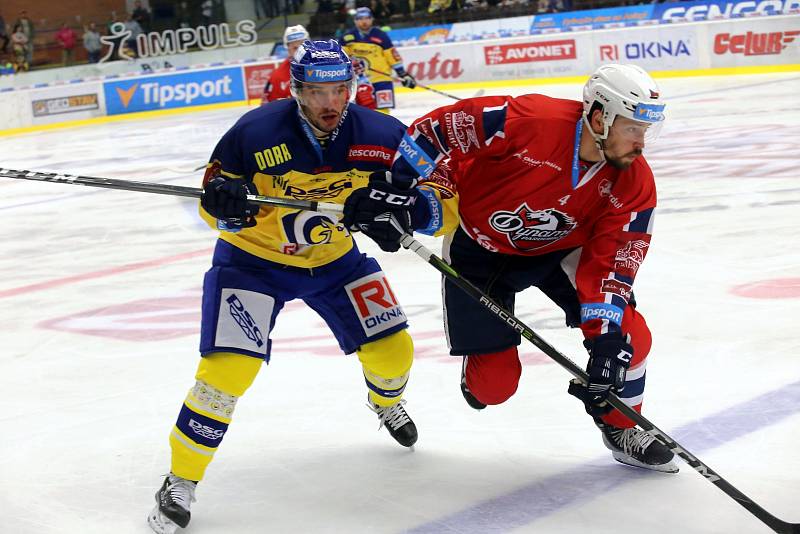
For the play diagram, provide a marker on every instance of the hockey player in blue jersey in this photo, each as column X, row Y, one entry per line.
column 315, row 146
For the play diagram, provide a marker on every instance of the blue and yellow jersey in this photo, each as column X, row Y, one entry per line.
column 272, row 147
column 375, row 48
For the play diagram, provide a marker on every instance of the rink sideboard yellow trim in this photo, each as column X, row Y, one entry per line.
column 125, row 117
column 720, row 71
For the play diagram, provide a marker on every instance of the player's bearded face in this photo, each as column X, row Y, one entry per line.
column 625, row 142
column 324, row 103
column 364, row 23
column 292, row 47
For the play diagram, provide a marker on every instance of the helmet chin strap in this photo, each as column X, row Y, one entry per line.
column 599, row 141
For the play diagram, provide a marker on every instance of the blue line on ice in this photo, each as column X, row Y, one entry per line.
column 549, row 495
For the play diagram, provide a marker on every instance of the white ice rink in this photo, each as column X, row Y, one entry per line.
column 99, row 309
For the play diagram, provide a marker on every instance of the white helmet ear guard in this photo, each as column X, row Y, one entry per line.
column 625, row 91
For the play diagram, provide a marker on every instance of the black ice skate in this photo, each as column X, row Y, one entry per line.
column 396, row 421
column 172, row 505
column 468, row 396
column 632, row 446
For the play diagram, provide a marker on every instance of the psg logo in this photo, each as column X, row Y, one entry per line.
column 529, row 229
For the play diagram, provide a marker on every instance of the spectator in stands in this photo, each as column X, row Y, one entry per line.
column 439, row 5
column 3, row 35
column 141, row 15
column 136, row 30
column 26, row 25
column 184, row 15
column 91, row 42
column 19, row 44
column 383, row 11
column 67, row 39
column 207, row 12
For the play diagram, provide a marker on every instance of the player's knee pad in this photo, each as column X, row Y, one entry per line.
column 386, row 363
column 228, row 372
column 493, row 378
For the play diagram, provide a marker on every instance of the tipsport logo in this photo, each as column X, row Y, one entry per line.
column 332, row 73
column 173, row 91
column 649, row 112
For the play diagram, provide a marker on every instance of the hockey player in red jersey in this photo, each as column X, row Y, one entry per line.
column 365, row 94
column 553, row 194
column 278, row 84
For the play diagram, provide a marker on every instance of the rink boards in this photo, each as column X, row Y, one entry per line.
column 755, row 44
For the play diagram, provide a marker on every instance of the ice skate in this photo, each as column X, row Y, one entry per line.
column 173, row 500
column 468, row 396
column 396, row 421
column 632, row 446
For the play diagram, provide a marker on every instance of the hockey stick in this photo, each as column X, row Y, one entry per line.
column 426, row 87
column 440, row 265
column 163, row 189
column 709, row 474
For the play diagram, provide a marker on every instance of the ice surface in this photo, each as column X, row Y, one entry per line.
column 99, row 301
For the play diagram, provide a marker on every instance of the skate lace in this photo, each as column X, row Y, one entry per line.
column 393, row 416
column 181, row 492
column 633, row 440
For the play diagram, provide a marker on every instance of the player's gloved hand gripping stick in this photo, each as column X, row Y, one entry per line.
column 407, row 241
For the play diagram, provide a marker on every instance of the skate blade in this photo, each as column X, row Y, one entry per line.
column 669, row 467
column 161, row 524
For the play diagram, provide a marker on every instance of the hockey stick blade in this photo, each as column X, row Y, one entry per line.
column 513, row 322
column 162, row 189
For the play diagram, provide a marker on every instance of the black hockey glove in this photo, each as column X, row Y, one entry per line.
column 226, row 199
column 407, row 80
column 609, row 358
column 382, row 212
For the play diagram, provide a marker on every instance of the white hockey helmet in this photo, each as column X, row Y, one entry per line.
column 626, row 91
column 294, row 33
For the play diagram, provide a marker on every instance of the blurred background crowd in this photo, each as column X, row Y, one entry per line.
column 37, row 34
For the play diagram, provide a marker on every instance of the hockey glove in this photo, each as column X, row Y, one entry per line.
column 407, row 80
column 609, row 358
column 382, row 212
column 226, row 200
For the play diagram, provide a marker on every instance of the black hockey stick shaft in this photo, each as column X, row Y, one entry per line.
column 420, row 85
column 440, row 265
column 513, row 322
column 161, row 189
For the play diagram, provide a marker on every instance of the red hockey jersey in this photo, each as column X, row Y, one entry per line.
column 278, row 84
column 522, row 190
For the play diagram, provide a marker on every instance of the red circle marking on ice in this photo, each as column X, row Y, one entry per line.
column 779, row 288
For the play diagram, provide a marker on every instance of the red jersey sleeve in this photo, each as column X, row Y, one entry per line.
column 612, row 255
column 463, row 130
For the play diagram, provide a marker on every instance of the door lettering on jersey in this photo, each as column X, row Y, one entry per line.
column 375, row 304
column 272, row 156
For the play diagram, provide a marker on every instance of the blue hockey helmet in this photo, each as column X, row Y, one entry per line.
column 321, row 62
column 363, row 13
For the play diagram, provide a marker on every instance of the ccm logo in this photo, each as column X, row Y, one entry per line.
column 392, row 198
